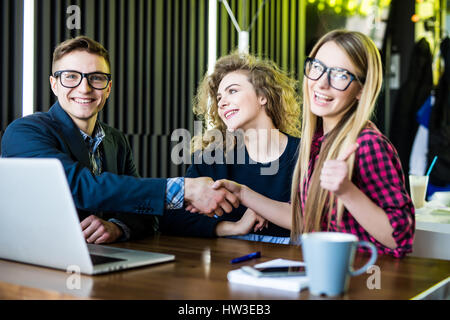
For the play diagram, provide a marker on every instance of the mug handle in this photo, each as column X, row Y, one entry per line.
column 371, row 261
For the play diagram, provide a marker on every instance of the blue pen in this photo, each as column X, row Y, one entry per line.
column 250, row 256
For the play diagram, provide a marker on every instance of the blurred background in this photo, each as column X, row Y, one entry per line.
column 161, row 49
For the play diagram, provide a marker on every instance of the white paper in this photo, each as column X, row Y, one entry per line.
column 280, row 263
column 282, row 283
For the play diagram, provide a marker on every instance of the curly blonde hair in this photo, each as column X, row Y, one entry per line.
column 283, row 105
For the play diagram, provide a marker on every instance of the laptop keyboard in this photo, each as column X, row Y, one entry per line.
column 96, row 260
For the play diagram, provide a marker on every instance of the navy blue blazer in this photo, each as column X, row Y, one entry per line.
column 118, row 192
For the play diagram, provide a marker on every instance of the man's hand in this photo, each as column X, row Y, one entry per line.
column 233, row 187
column 96, row 230
column 334, row 174
column 200, row 197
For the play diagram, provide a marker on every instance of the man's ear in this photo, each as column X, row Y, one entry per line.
column 108, row 89
column 53, row 84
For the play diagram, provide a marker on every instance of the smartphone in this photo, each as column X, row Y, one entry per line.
column 275, row 271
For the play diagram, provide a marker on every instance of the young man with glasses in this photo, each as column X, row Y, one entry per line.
column 96, row 157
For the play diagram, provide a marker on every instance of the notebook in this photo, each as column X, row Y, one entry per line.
column 39, row 223
column 295, row 284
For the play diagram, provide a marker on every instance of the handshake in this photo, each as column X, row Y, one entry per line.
column 203, row 195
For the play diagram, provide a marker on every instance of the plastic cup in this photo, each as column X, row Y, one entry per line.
column 418, row 187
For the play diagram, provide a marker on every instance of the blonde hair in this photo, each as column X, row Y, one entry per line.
column 282, row 106
column 366, row 59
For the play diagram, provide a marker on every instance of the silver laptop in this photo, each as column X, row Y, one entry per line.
column 39, row 223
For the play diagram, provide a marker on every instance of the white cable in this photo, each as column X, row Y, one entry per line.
column 230, row 13
column 256, row 16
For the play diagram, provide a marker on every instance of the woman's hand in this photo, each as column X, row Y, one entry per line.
column 234, row 187
column 250, row 221
column 334, row 174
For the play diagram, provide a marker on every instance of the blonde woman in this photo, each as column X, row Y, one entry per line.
column 348, row 176
column 253, row 113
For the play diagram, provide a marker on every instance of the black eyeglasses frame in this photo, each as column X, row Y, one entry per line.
column 328, row 70
column 58, row 73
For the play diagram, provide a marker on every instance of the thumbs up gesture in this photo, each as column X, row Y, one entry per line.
column 334, row 174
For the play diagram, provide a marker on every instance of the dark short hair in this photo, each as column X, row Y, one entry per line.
column 80, row 43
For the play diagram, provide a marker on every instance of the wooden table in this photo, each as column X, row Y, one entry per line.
column 200, row 273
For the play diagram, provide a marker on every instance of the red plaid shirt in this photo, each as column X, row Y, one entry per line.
column 378, row 173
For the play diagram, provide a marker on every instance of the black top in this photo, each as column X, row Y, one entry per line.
column 270, row 179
